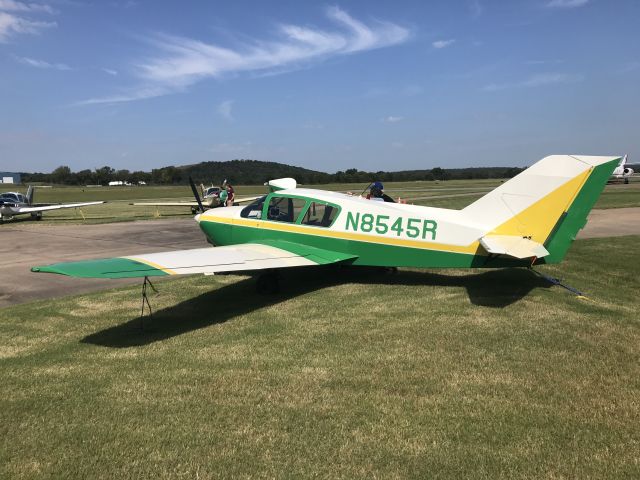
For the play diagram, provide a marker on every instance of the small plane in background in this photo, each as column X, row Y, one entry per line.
column 622, row 172
column 212, row 197
column 14, row 203
column 529, row 220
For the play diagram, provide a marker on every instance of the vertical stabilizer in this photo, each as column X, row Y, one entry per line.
column 548, row 203
column 30, row 191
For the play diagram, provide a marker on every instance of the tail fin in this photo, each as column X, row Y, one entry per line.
column 30, row 191
column 547, row 203
column 623, row 162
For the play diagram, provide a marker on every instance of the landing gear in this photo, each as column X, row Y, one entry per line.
column 268, row 283
column 36, row 215
column 388, row 270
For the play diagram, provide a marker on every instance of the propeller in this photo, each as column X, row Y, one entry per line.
column 195, row 194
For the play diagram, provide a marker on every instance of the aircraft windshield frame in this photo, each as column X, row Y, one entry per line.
column 303, row 210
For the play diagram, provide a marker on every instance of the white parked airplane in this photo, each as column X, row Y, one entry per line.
column 14, row 203
column 622, row 172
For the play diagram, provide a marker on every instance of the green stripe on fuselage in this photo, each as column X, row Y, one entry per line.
column 367, row 253
column 103, row 268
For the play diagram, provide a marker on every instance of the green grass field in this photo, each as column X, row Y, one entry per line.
column 346, row 374
column 448, row 194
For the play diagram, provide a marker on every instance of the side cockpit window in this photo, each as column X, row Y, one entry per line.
column 285, row 209
column 320, row 215
column 254, row 209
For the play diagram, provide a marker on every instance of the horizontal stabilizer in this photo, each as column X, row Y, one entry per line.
column 514, row 246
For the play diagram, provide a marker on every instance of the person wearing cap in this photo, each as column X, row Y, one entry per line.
column 376, row 191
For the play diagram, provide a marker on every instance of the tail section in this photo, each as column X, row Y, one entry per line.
column 30, row 191
column 548, row 203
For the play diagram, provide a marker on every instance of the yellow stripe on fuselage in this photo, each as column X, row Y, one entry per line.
column 536, row 220
column 323, row 232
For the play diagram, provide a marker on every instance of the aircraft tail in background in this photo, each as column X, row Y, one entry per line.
column 29, row 195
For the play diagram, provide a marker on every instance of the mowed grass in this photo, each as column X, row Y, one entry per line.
column 345, row 374
column 455, row 194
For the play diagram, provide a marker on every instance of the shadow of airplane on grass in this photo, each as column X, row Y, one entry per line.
column 493, row 288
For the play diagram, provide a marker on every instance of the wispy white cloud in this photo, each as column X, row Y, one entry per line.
column 629, row 67
column 476, row 8
column 392, row 119
column 567, row 3
column 13, row 21
column 443, row 43
column 133, row 95
column 412, row 90
column 32, row 62
column 543, row 62
column 538, row 80
column 14, row 6
column 184, row 61
column 110, row 71
column 225, row 109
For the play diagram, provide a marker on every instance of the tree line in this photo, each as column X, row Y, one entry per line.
column 255, row 172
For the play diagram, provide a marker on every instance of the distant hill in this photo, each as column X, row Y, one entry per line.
column 256, row 172
column 248, row 172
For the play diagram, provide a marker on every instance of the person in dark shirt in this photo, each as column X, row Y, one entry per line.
column 230, row 195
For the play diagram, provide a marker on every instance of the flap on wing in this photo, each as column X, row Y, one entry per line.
column 249, row 256
column 317, row 255
column 514, row 246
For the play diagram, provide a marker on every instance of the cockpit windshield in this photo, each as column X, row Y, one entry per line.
column 14, row 197
column 254, row 209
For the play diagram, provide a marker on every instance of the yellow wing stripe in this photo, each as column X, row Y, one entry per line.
column 168, row 271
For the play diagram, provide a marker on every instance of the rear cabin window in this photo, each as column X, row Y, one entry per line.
column 285, row 209
column 320, row 215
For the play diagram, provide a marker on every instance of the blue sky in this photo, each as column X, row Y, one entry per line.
column 328, row 86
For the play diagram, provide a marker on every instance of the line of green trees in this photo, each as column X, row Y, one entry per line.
column 255, row 172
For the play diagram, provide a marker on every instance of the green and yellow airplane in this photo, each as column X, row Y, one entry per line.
column 529, row 220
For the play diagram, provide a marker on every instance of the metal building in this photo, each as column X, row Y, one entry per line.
column 9, row 177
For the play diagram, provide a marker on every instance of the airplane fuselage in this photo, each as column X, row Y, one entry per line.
column 378, row 233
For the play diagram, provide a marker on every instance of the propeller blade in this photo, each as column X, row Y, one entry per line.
column 195, row 194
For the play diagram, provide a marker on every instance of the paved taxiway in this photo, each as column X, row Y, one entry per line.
column 26, row 244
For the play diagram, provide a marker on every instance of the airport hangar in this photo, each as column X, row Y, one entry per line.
column 10, row 178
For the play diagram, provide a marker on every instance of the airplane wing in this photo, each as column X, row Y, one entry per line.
column 168, row 204
column 190, row 204
column 513, row 245
column 55, row 207
column 244, row 257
